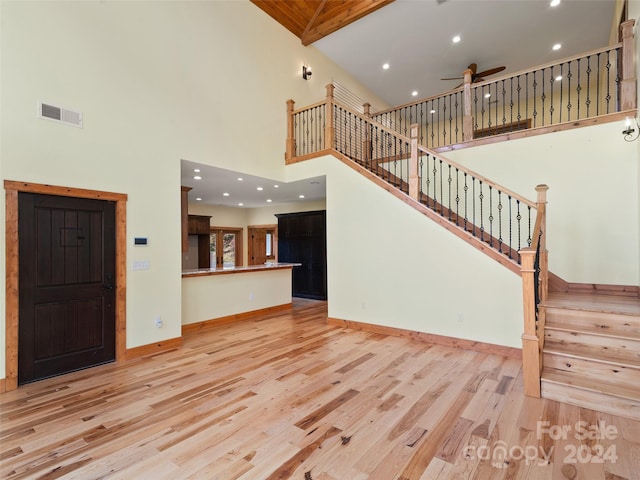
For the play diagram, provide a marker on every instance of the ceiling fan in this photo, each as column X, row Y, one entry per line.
column 477, row 76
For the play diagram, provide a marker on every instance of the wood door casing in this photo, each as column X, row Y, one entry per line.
column 12, row 189
column 67, row 284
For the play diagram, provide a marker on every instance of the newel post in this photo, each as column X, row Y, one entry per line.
column 366, row 143
column 291, row 140
column 628, row 100
column 414, row 177
column 329, row 130
column 530, row 343
column 541, row 207
column 467, row 122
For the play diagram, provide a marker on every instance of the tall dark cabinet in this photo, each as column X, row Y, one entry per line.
column 302, row 239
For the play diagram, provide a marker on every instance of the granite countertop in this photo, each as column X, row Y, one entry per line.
column 201, row 272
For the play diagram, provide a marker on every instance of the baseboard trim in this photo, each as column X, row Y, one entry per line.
column 510, row 352
column 153, row 348
column 559, row 285
column 214, row 322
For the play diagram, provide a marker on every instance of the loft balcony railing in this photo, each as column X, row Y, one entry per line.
column 597, row 84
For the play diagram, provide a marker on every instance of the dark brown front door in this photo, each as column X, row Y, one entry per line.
column 66, row 283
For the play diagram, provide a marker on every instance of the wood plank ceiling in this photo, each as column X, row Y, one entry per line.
column 310, row 20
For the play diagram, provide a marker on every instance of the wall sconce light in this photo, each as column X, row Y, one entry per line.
column 306, row 72
column 629, row 132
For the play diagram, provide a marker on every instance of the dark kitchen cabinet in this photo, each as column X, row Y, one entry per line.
column 302, row 239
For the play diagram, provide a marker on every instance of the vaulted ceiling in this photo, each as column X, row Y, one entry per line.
column 311, row 20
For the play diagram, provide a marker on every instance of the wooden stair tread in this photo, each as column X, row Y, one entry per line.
column 592, row 330
column 596, row 303
column 595, row 356
column 584, row 383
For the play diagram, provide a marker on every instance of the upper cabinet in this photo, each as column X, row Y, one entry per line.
column 199, row 225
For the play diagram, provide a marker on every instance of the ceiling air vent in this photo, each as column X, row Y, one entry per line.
column 60, row 114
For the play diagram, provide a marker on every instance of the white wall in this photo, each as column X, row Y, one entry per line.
column 156, row 82
column 592, row 174
column 387, row 264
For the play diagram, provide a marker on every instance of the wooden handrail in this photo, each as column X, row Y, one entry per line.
column 309, row 107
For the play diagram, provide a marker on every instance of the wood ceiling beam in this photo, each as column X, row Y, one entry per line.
column 350, row 12
column 310, row 20
column 313, row 19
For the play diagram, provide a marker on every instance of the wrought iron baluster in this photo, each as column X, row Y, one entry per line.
column 457, row 196
column 543, row 97
column 519, row 218
column 466, row 191
column 510, row 226
column 449, row 180
column 529, row 226
column 535, row 101
column 588, row 101
column 441, row 187
column 499, row 221
column 608, row 67
column 490, row 216
column 551, row 108
column 481, row 197
column 578, row 90
column 598, row 87
column 473, row 198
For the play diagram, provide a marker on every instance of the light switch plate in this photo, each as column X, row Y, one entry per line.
column 141, row 264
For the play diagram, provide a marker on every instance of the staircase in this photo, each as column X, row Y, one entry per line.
column 578, row 348
column 591, row 353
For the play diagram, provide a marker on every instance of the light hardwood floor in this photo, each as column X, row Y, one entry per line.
column 287, row 396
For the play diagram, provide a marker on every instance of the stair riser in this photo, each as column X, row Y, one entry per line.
column 597, row 371
column 606, row 321
column 592, row 400
column 623, row 348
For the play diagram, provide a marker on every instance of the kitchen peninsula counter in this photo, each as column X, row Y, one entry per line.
column 217, row 296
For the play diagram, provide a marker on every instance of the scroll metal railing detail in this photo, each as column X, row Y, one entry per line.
column 569, row 90
column 309, row 126
column 493, row 214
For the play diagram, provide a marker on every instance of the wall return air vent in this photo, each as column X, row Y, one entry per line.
column 59, row 114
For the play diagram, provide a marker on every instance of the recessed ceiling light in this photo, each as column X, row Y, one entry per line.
column 276, row 186
column 268, row 200
column 197, row 177
column 197, row 170
column 456, row 39
column 558, row 78
column 555, row 3
column 225, row 194
column 300, row 196
column 557, row 46
column 432, row 111
column 240, row 204
column 198, row 199
column 259, row 189
column 414, row 93
column 487, row 95
column 240, row 179
column 385, row 66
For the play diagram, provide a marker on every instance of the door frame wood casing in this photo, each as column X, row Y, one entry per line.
column 12, row 188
